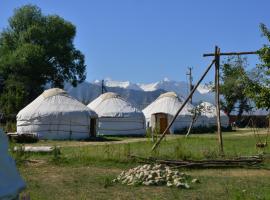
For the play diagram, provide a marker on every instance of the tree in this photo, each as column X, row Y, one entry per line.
column 13, row 97
column 36, row 50
column 196, row 113
column 258, row 87
column 233, row 83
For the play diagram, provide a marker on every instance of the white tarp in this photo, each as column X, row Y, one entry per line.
column 169, row 103
column 117, row 116
column 11, row 184
column 55, row 115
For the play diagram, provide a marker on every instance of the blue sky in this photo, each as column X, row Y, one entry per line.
column 147, row 40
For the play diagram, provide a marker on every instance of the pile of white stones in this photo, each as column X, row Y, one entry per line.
column 155, row 175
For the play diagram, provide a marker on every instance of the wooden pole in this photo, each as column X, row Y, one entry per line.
column 217, row 99
column 182, row 106
column 232, row 53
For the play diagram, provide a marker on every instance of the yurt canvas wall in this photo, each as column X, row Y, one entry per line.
column 11, row 183
column 159, row 113
column 117, row 116
column 56, row 115
column 209, row 111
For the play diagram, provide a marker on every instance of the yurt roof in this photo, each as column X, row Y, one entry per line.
column 167, row 103
column 113, row 105
column 210, row 110
column 52, row 102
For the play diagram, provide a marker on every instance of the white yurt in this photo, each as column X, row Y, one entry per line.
column 11, row 183
column 209, row 111
column 117, row 116
column 56, row 115
column 160, row 112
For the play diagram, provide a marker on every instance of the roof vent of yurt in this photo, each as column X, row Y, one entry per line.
column 169, row 94
column 110, row 95
column 53, row 92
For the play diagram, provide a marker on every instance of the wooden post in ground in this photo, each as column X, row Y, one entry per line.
column 217, row 99
column 217, row 55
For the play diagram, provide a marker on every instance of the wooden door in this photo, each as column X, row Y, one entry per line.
column 163, row 123
column 93, row 127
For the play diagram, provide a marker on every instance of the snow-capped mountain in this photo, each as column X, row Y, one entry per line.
column 138, row 93
column 203, row 92
column 121, row 84
column 87, row 92
column 205, row 88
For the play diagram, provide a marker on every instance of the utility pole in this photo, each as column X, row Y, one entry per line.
column 189, row 74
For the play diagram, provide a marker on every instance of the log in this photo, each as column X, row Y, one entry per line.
column 40, row 149
column 217, row 163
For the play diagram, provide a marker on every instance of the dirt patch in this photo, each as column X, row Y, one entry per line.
column 94, row 143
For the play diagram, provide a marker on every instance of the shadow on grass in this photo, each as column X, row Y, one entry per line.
column 100, row 139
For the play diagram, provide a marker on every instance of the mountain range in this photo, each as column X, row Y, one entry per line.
column 139, row 94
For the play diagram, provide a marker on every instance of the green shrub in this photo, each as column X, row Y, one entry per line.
column 10, row 127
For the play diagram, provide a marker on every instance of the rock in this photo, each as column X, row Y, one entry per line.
column 154, row 175
column 174, row 176
column 195, row 180
column 176, row 173
column 178, row 184
column 186, row 186
column 148, row 182
column 169, row 184
column 182, row 174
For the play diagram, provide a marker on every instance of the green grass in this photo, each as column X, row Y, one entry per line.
column 84, row 171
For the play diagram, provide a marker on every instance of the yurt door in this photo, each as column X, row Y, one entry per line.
column 163, row 123
column 93, row 127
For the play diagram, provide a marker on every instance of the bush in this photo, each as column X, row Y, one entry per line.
column 10, row 127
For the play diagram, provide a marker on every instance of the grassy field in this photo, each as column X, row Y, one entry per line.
column 84, row 170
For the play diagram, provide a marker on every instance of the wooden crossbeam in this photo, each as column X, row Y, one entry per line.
column 232, row 53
